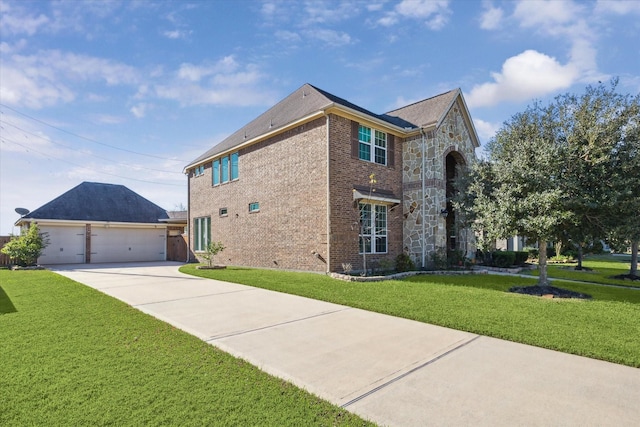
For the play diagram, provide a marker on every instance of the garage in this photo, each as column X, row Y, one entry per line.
column 122, row 244
column 101, row 223
column 66, row 245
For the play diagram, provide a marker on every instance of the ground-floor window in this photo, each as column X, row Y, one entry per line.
column 373, row 228
column 201, row 233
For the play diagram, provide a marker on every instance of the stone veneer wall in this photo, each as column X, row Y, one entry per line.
column 452, row 136
column 287, row 175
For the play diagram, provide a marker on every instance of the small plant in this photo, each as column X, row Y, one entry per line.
column 26, row 248
column 439, row 259
column 347, row 267
column 404, row 263
column 385, row 265
column 212, row 249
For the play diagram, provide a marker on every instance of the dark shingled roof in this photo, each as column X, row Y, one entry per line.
column 309, row 99
column 428, row 111
column 92, row 201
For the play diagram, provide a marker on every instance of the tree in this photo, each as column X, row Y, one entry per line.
column 212, row 249
column 27, row 248
column 591, row 128
column 624, row 224
column 516, row 189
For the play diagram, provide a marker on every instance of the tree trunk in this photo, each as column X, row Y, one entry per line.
column 542, row 263
column 579, row 266
column 634, row 258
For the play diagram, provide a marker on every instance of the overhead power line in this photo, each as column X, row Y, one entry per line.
column 73, row 149
column 84, row 137
column 5, row 140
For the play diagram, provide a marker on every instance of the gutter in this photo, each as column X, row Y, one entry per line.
column 328, row 196
column 424, row 203
column 320, row 113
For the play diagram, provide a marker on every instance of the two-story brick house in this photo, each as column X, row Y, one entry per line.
column 292, row 189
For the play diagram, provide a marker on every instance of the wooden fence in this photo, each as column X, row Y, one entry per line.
column 4, row 260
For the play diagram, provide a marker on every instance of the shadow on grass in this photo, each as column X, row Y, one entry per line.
column 6, row 306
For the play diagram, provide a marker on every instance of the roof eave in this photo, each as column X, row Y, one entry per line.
column 330, row 108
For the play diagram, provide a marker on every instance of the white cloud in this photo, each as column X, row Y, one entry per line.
column 486, row 130
column 546, row 14
column 176, row 34
column 524, row 76
column 195, row 73
column 139, row 110
column 434, row 13
column 225, row 82
column 618, row 7
column 491, row 18
column 331, row 37
column 47, row 78
column 288, row 36
column 19, row 21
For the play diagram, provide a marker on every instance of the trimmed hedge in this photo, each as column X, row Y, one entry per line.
column 504, row 259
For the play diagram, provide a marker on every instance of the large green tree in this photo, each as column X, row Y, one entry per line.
column 566, row 171
column 624, row 217
column 591, row 128
column 516, row 189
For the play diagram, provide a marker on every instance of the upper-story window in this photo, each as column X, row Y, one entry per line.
column 372, row 145
column 199, row 170
column 225, row 169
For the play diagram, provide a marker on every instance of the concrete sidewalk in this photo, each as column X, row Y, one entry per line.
column 392, row 371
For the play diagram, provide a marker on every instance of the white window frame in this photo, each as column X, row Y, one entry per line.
column 378, row 143
column 374, row 230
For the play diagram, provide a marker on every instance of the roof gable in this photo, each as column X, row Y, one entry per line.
column 92, row 201
column 432, row 111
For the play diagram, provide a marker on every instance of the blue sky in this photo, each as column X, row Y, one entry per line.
column 129, row 92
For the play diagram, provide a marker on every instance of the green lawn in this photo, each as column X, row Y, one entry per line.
column 602, row 268
column 606, row 327
column 73, row 356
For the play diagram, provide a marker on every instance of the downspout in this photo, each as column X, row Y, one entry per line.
column 188, row 218
column 328, row 197
column 424, row 202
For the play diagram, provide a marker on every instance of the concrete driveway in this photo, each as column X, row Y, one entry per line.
column 392, row 371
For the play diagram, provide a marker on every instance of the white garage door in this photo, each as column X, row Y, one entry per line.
column 127, row 244
column 66, row 245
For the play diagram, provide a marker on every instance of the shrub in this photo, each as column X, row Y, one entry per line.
column 27, row 248
column 533, row 252
column 455, row 258
column 504, row 259
column 212, row 249
column 521, row 257
column 404, row 263
column 439, row 259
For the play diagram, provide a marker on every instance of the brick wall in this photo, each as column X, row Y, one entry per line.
column 347, row 171
column 286, row 174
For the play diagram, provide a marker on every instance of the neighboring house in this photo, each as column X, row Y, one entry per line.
column 292, row 187
column 97, row 223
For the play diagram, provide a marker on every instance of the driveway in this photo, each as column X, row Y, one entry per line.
column 392, row 371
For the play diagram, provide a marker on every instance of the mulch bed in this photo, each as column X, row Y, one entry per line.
column 548, row 292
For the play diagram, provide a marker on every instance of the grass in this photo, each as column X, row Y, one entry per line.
column 604, row 328
column 603, row 267
column 74, row 356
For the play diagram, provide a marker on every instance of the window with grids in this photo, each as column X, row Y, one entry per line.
column 372, row 145
column 373, row 228
column 201, row 233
